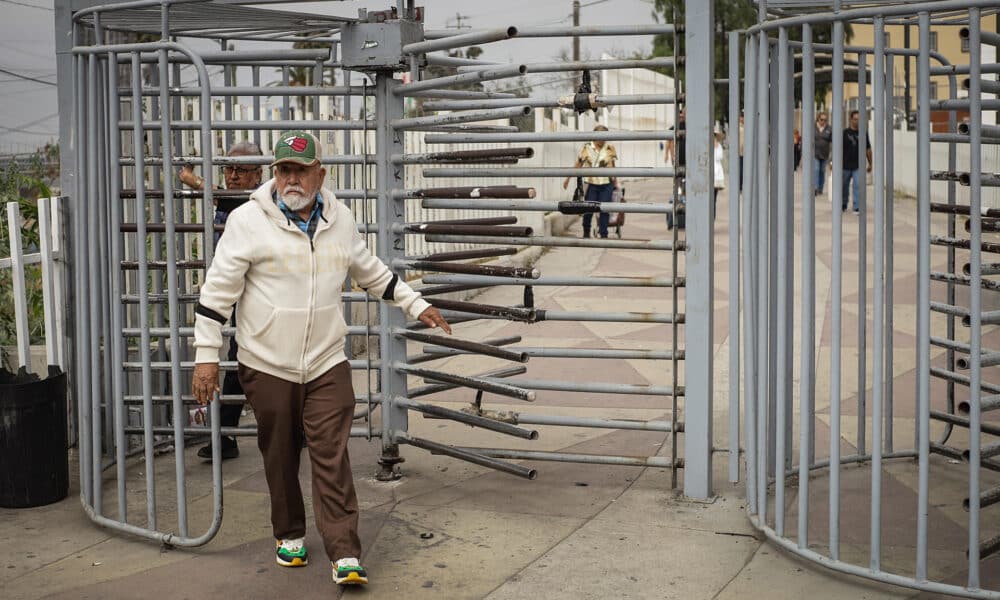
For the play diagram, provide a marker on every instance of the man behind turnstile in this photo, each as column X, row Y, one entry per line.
column 283, row 262
column 237, row 178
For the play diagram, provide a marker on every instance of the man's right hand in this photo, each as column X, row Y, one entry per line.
column 205, row 382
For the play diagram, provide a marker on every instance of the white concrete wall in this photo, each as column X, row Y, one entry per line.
column 905, row 168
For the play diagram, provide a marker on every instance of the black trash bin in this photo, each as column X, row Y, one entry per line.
column 34, row 466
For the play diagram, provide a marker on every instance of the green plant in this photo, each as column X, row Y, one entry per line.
column 24, row 184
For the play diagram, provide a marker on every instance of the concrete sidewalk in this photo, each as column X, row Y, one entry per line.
column 454, row 530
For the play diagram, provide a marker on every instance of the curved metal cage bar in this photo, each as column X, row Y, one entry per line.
column 884, row 344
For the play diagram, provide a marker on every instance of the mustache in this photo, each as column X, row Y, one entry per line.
column 294, row 189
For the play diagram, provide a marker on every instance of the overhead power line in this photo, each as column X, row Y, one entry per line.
column 28, row 5
column 22, row 76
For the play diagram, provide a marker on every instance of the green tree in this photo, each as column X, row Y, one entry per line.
column 306, row 76
column 730, row 15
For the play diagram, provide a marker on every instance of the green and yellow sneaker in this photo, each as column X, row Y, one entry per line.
column 348, row 571
column 291, row 553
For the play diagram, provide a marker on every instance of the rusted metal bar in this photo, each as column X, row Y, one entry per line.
column 435, row 388
column 466, row 455
column 159, row 265
column 475, row 383
column 987, row 498
column 492, row 191
column 463, row 156
column 465, row 345
column 944, row 176
column 963, row 422
column 440, row 412
column 426, row 228
column 937, row 240
column 985, row 179
column 467, row 254
column 956, row 454
column 987, row 284
column 428, row 355
column 988, row 547
column 470, row 269
column 161, row 228
column 986, row 404
column 508, row 220
column 433, row 290
column 526, row 315
column 989, row 225
column 960, row 209
column 560, row 241
column 987, row 269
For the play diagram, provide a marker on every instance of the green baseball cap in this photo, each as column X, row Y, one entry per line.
column 296, row 147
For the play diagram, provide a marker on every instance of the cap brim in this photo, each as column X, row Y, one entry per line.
column 298, row 161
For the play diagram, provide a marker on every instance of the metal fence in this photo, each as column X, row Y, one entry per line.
column 140, row 243
column 854, row 403
column 48, row 280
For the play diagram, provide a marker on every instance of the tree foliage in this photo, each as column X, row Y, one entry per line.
column 730, row 15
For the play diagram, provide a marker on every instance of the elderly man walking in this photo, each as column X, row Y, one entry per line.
column 283, row 261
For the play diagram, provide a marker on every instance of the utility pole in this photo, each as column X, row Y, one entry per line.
column 576, row 23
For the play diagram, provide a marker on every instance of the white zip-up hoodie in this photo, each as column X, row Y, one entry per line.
column 290, row 321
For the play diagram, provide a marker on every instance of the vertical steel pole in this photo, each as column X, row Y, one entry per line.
column 763, row 235
column 749, row 277
column 734, row 257
column 878, row 301
column 142, row 289
column 923, row 290
column 255, row 80
column 889, row 266
column 173, row 308
column 782, row 393
column 116, row 341
column 976, row 290
column 229, row 79
column 862, row 248
column 391, row 246
column 80, row 266
column 807, row 390
column 92, row 287
column 699, row 38
column 775, row 171
column 837, row 276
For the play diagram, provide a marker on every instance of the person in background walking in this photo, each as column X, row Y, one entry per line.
column 852, row 169
column 597, row 154
column 719, row 174
column 822, row 139
column 237, row 178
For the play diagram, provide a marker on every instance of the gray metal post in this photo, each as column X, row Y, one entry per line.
column 923, row 291
column 807, row 392
column 878, row 301
column 976, row 290
column 391, row 247
column 782, row 395
column 734, row 257
column 837, row 116
column 862, row 199
column 700, row 259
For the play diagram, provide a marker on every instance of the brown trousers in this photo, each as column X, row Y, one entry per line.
column 323, row 409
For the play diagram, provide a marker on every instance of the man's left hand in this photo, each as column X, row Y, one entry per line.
column 432, row 318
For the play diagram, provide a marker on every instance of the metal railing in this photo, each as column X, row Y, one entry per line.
column 774, row 452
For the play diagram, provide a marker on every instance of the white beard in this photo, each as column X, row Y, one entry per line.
column 296, row 201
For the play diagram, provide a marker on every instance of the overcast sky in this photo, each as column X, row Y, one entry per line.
column 28, row 109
